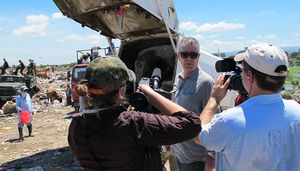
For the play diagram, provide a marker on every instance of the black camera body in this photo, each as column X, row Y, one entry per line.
column 139, row 100
column 234, row 73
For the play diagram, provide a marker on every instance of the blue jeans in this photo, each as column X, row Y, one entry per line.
column 195, row 166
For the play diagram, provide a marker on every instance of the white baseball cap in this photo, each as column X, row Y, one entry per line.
column 265, row 58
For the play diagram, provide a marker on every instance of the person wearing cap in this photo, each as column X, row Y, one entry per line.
column 262, row 133
column 85, row 59
column 108, row 136
column 20, row 67
column 4, row 66
column 94, row 52
column 24, row 104
column 194, row 87
column 31, row 67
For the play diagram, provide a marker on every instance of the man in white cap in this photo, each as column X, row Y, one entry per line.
column 262, row 133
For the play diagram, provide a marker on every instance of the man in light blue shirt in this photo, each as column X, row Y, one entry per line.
column 263, row 133
column 24, row 106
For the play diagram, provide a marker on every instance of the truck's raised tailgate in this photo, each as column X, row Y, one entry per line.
column 122, row 18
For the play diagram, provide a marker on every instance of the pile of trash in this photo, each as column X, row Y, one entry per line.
column 48, row 148
column 51, row 86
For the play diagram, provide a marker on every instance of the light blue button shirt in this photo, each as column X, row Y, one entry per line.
column 263, row 133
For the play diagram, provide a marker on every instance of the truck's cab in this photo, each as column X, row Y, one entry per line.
column 78, row 73
column 9, row 87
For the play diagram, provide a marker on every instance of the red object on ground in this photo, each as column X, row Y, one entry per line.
column 25, row 117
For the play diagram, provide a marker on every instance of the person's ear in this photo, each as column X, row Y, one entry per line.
column 122, row 91
column 248, row 74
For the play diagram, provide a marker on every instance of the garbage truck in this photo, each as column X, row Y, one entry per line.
column 148, row 30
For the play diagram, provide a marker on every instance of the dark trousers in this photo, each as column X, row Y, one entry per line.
column 21, row 71
column 3, row 70
column 69, row 100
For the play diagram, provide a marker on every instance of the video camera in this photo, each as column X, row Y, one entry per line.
column 139, row 100
column 234, row 72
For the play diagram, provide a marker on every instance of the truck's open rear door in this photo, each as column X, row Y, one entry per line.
column 122, row 18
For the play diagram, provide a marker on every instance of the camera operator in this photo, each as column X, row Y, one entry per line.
column 262, row 133
column 108, row 136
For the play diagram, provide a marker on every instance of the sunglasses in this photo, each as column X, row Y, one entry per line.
column 192, row 55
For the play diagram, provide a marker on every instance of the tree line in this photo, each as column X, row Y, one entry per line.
column 294, row 58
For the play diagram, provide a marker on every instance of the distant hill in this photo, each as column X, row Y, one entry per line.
column 291, row 49
column 287, row 49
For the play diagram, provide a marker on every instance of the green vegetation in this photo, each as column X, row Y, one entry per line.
column 294, row 70
column 294, row 58
column 293, row 79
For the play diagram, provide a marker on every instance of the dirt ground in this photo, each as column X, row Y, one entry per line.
column 46, row 150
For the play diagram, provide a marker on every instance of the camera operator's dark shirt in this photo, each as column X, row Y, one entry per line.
column 119, row 140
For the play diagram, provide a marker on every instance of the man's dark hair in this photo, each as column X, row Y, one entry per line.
column 264, row 81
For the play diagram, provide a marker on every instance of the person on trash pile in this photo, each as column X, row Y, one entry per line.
column 31, row 67
column 4, row 66
column 107, row 136
column 20, row 67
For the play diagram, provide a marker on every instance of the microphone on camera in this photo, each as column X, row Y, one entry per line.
column 156, row 78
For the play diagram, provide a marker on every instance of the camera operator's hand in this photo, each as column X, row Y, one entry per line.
column 163, row 104
column 218, row 92
column 219, row 89
column 145, row 89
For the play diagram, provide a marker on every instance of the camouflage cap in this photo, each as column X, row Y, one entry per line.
column 106, row 74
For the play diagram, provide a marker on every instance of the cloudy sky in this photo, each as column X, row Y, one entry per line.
column 36, row 28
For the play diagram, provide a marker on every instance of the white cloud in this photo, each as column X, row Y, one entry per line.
column 76, row 37
column 213, row 36
column 297, row 34
column 36, row 26
column 240, row 38
column 60, row 40
column 223, row 46
column 199, row 36
column 57, row 15
column 211, row 27
column 269, row 36
column 189, row 25
column 221, row 26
